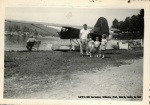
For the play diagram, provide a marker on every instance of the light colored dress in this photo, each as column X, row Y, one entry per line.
column 103, row 44
column 91, row 45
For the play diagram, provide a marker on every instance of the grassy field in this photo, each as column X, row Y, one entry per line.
column 28, row 72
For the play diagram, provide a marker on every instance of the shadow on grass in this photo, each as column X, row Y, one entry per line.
column 106, row 57
column 113, row 53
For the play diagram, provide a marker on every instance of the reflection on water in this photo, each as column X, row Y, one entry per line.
column 18, row 43
column 15, row 39
column 15, row 42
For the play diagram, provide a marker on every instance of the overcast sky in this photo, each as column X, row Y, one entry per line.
column 71, row 16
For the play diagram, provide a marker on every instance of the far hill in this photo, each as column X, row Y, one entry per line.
column 32, row 29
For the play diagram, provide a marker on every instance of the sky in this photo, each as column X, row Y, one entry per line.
column 71, row 16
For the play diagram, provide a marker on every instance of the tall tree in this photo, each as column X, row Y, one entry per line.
column 25, row 29
column 141, row 21
column 133, row 24
column 115, row 23
column 10, row 28
column 14, row 28
column 18, row 28
column 126, row 24
column 120, row 25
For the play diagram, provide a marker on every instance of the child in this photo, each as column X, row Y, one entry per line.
column 97, row 45
column 103, row 45
column 91, row 47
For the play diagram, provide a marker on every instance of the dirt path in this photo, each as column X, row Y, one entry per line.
column 125, row 80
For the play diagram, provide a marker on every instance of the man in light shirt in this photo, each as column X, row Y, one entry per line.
column 84, row 33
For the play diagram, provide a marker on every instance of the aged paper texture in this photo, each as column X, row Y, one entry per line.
column 42, row 56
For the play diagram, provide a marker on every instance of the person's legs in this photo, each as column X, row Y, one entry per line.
column 81, row 47
column 94, row 51
column 91, row 51
column 103, row 52
column 27, row 46
column 100, row 51
column 30, row 45
column 86, row 47
column 97, row 52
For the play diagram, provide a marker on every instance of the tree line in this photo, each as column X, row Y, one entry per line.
column 133, row 24
column 19, row 29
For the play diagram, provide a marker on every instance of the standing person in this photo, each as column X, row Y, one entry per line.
column 91, row 47
column 103, row 45
column 84, row 33
column 30, row 42
column 97, row 46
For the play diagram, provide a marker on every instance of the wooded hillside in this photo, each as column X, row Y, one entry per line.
column 21, row 28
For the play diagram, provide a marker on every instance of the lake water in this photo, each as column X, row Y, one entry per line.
column 18, row 43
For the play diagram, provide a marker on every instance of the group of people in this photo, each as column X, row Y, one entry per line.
column 93, row 48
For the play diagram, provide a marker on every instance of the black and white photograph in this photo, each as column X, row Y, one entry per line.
column 73, row 53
